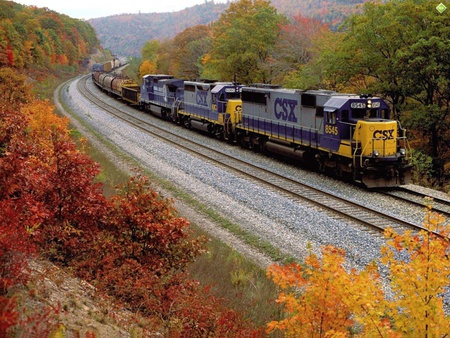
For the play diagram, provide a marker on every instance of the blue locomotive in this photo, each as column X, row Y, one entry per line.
column 351, row 136
column 162, row 95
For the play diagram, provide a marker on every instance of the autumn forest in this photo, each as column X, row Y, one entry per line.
column 134, row 247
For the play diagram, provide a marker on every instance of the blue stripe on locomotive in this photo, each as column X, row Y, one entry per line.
column 282, row 131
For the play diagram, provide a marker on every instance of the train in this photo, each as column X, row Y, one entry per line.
column 109, row 66
column 350, row 136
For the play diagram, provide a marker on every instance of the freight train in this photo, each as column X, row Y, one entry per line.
column 350, row 136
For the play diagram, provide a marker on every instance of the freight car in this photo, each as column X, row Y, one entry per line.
column 351, row 136
column 108, row 66
column 119, row 86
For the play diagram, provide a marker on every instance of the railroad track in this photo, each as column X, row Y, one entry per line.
column 337, row 206
column 439, row 204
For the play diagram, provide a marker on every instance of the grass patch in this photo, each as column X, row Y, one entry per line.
column 243, row 285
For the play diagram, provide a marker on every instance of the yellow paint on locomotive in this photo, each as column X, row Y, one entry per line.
column 376, row 136
column 234, row 109
column 345, row 149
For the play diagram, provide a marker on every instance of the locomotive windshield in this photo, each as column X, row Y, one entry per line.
column 369, row 109
column 364, row 113
column 235, row 95
column 358, row 114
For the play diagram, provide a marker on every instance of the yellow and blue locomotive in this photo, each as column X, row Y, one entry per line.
column 353, row 136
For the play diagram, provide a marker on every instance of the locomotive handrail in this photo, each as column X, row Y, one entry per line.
column 405, row 140
column 357, row 142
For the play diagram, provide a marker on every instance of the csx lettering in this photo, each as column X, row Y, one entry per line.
column 201, row 98
column 285, row 110
column 384, row 134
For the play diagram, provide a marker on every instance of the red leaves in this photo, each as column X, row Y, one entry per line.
column 8, row 315
column 148, row 228
column 140, row 258
column 134, row 246
column 46, row 190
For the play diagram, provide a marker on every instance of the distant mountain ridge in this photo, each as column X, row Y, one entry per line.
column 125, row 34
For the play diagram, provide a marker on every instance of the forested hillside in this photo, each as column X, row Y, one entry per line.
column 331, row 12
column 126, row 34
column 41, row 40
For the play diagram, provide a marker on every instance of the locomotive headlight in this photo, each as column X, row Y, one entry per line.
column 369, row 104
column 376, row 153
column 402, row 151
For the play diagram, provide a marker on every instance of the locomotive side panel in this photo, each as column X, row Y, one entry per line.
column 279, row 115
column 151, row 88
column 198, row 100
column 156, row 94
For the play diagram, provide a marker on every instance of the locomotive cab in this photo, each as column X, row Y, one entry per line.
column 376, row 145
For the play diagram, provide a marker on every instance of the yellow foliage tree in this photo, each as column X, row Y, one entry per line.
column 323, row 299
column 419, row 281
column 147, row 67
column 313, row 295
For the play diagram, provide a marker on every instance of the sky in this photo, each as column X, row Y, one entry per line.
column 89, row 9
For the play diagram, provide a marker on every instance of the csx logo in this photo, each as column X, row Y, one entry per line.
column 384, row 134
column 285, row 109
column 201, row 98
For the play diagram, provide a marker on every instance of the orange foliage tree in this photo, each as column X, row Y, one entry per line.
column 318, row 298
column 147, row 67
column 323, row 299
